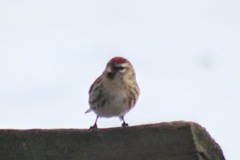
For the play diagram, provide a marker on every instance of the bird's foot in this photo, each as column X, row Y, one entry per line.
column 94, row 127
column 124, row 124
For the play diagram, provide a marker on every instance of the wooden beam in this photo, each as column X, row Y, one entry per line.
column 163, row 141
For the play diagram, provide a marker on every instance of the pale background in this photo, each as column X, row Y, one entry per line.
column 186, row 55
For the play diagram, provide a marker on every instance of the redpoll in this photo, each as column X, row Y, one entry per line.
column 115, row 91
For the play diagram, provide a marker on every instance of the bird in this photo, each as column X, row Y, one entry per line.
column 115, row 92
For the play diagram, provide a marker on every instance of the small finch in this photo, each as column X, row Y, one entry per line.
column 115, row 91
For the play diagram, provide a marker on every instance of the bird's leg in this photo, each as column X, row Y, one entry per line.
column 124, row 124
column 95, row 125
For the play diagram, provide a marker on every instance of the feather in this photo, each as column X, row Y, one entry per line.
column 89, row 110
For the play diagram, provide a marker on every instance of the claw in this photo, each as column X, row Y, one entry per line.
column 93, row 127
column 124, row 124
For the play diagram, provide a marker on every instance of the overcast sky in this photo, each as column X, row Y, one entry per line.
column 186, row 55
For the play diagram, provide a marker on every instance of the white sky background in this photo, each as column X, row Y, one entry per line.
column 186, row 55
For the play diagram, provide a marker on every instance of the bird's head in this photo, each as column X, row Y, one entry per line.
column 119, row 69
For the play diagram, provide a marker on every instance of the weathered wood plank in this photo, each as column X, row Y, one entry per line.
column 164, row 141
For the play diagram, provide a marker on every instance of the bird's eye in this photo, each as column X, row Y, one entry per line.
column 121, row 69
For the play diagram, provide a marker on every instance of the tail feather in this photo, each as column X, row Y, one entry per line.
column 89, row 110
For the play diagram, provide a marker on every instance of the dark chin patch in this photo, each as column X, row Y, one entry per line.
column 110, row 75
